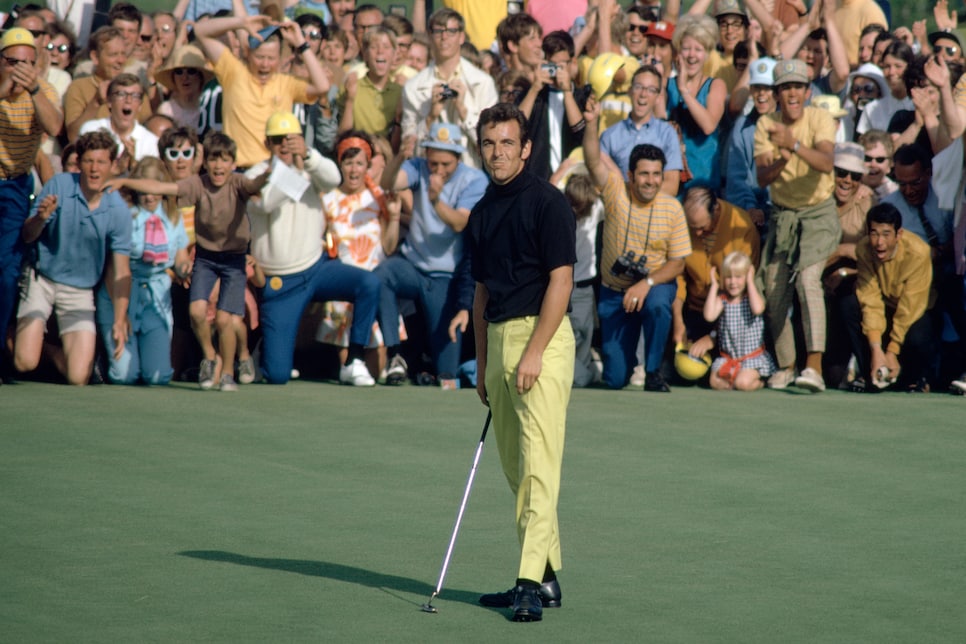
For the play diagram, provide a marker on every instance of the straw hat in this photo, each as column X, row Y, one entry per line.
column 186, row 56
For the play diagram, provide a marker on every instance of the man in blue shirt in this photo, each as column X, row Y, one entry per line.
column 74, row 226
column 444, row 192
column 643, row 127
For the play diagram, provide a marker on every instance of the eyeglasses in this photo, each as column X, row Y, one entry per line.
column 404, row 45
column 146, row 37
column 869, row 159
column 277, row 140
column 867, row 88
column 439, row 31
column 61, row 48
column 650, row 89
column 949, row 51
column 173, row 154
column 189, row 71
column 365, row 28
column 166, row 27
column 312, row 35
column 510, row 95
column 642, row 29
column 137, row 96
column 841, row 174
column 725, row 25
column 13, row 62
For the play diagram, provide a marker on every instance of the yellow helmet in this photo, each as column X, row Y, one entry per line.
column 281, row 123
column 602, row 72
column 689, row 367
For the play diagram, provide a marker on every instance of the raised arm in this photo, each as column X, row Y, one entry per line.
column 592, row 154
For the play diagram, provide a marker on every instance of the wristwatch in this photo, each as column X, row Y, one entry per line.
column 797, row 145
column 301, row 49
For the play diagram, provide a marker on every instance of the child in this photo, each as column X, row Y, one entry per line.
column 741, row 327
column 373, row 103
column 222, row 232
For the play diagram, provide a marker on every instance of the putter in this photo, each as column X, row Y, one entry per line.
column 428, row 606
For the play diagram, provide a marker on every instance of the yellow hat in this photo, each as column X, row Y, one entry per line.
column 689, row 367
column 186, row 56
column 16, row 36
column 602, row 72
column 281, row 123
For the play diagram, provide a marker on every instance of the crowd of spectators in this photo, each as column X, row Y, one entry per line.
column 770, row 188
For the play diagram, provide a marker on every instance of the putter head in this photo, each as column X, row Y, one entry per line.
column 428, row 608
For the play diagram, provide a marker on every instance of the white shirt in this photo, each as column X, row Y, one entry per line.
column 145, row 143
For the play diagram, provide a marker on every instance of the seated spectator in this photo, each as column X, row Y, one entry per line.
column 717, row 229
column 158, row 243
column 70, row 261
column 895, row 295
column 125, row 95
column 735, row 307
column 184, row 76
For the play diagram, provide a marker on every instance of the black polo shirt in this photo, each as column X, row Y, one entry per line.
column 518, row 234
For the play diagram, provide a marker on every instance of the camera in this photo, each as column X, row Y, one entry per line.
column 447, row 93
column 550, row 68
column 652, row 13
column 627, row 266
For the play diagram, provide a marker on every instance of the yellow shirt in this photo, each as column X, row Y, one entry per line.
column 482, row 17
column 717, row 66
column 247, row 105
column 373, row 110
column 20, row 132
column 851, row 17
column 798, row 185
column 900, row 288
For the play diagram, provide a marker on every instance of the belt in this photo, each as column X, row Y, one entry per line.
column 585, row 283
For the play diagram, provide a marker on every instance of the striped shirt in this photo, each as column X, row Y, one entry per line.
column 20, row 131
column 657, row 229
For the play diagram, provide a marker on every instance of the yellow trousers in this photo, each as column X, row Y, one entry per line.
column 530, row 432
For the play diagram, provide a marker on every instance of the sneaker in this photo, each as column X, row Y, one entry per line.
column 638, row 377
column 810, row 380
column 356, row 374
column 398, row 370
column 206, row 374
column 246, row 371
column 958, row 386
column 781, row 378
column 228, row 383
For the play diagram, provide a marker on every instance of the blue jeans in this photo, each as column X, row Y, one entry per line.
column 401, row 279
column 620, row 331
column 147, row 352
column 285, row 297
column 14, row 208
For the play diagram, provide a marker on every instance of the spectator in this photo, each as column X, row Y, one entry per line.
column 70, row 262
column 866, row 84
column 895, row 297
column 717, row 229
column 372, row 102
column 877, row 114
column 867, row 39
column 29, row 109
column 852, row 18
column 644, row 247
column 481, row 19
column 166, row 32
column 134, row 141
column 472, row 90
column 736, row 307
column 158, row 243
column 794, row 154
column 253, row 91
column 878, row 160
column 184, row 76
column 62, row 46
column 445, row 190
column 365, row 18
column 418, row 57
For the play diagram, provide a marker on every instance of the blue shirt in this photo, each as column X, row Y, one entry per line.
column 940, row 220
column 621, row 138
column 741, row 179
column 74, row 245
column 432, row 245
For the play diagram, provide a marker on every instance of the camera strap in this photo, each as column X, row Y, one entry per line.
column 627, row 229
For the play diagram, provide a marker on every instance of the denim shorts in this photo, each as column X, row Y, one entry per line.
column 230, row 269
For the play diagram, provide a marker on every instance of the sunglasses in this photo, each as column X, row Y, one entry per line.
column 867, row 88
column 190, row 71
column 869, row 159
column 949, row 51
column 277, row 140
column 642, row 29
column 61, row 48
column 13, row 62
column 841, row 174
column 173, row 154
column 312, row 35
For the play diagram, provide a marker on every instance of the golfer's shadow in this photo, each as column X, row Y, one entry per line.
column 335, row 571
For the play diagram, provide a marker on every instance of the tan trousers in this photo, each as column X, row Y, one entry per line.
column 530, row 432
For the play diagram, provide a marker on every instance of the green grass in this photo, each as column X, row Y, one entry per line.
column 313, row 512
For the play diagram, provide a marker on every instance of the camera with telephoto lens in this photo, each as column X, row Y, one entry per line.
column 550, row 68
column 447, row 93
column 627, row 266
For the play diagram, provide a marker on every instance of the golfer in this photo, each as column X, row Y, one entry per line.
column 522, row 235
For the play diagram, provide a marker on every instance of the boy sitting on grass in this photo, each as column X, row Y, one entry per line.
column 223, row 232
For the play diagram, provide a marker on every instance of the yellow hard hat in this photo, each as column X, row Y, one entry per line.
column 16, row 36
column 281, row 123
column 689, row 367
column 602, row 71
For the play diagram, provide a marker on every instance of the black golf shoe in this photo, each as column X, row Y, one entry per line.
column 549, row 593
column 527, row 606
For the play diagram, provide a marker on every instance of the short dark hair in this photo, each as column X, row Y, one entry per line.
column 648, row 69
column 501, row 113
column 219, row 144
column 365, row 8
column 884, row 213
column 741, row 50
column 557, row 41
column 912, row 153
column 96, row 140
column 646, row 152
column 875, row 28
column 102, row 36
column 124, row 11
column 124, row 79
column 515, row 27
column 915, row 74
column 313, row 20
column 175, row 136
column 818, row 34
column 443, row 15
column 899, row 49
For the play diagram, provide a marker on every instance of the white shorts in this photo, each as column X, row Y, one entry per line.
column 39, row 297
